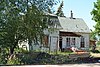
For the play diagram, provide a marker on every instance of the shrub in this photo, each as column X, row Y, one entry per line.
column 3, row 56
column 13, row 61
column 95, row 51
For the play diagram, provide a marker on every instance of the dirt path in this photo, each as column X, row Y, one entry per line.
column 65, row 65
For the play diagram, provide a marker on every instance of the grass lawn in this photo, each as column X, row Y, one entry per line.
column 64, row 53
column 95, row 54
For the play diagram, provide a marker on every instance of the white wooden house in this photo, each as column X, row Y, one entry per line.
column 64, row 32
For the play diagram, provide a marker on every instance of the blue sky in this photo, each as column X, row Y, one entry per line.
column 81, row 9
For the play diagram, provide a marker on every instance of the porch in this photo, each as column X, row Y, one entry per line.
column 70, row 39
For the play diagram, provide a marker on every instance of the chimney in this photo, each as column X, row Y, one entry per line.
column 71, row 15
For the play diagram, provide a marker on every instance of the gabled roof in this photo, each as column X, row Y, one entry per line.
column 46, row 13
column 73, row 25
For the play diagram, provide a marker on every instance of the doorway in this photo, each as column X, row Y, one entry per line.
column 60, row 43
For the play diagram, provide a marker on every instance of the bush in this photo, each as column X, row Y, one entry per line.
column 3, row 56
column 98, row 43
column 38, row 58
column 42, row 58
column 95, row 51
column 13, row 61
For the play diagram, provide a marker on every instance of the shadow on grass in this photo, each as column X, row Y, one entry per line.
column 95, row 51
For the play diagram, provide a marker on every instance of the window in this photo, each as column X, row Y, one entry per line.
column 45, row 40
column 67, row 42
column 73, row 41
column 82, row 42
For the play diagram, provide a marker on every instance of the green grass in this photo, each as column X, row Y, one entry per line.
column 61, row 53
column 97, row 52
column 56, row 52
column 65, row 53
column 98, row 47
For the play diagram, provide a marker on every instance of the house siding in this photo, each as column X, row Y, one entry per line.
column 53, row 40
column 86, row 39
column 77, row 42
column 24, row 45
column 54, row 43
column 63, row 42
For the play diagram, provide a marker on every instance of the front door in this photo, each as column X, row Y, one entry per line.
column 60, row 43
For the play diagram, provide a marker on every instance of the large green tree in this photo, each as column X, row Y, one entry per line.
column 96, row 16
column 93, row 35
column 22, row 20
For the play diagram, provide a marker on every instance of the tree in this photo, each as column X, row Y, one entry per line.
column 96, row 16
column 93, row 35
column 49, row 11
column 21, row 20
column 59, row 11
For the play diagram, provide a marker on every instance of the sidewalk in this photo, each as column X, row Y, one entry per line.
column 65, row 65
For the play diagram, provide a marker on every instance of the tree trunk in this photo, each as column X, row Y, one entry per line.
column 13, row 46
column 30, row 45
column 11, row 50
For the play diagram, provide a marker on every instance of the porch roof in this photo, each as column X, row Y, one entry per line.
column 69, row 34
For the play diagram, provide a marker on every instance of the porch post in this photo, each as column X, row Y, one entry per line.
column 57, row 45
column 49, row 44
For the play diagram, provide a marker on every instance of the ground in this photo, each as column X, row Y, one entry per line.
column 95, row 55
column 65, row 65
column 59, row 58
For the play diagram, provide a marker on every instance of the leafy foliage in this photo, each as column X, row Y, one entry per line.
column 45, row 58
column 96, row 16
column 98, row 42
column 3, row 56
column 38, row 58
column 21, row 20
column 93, row 35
